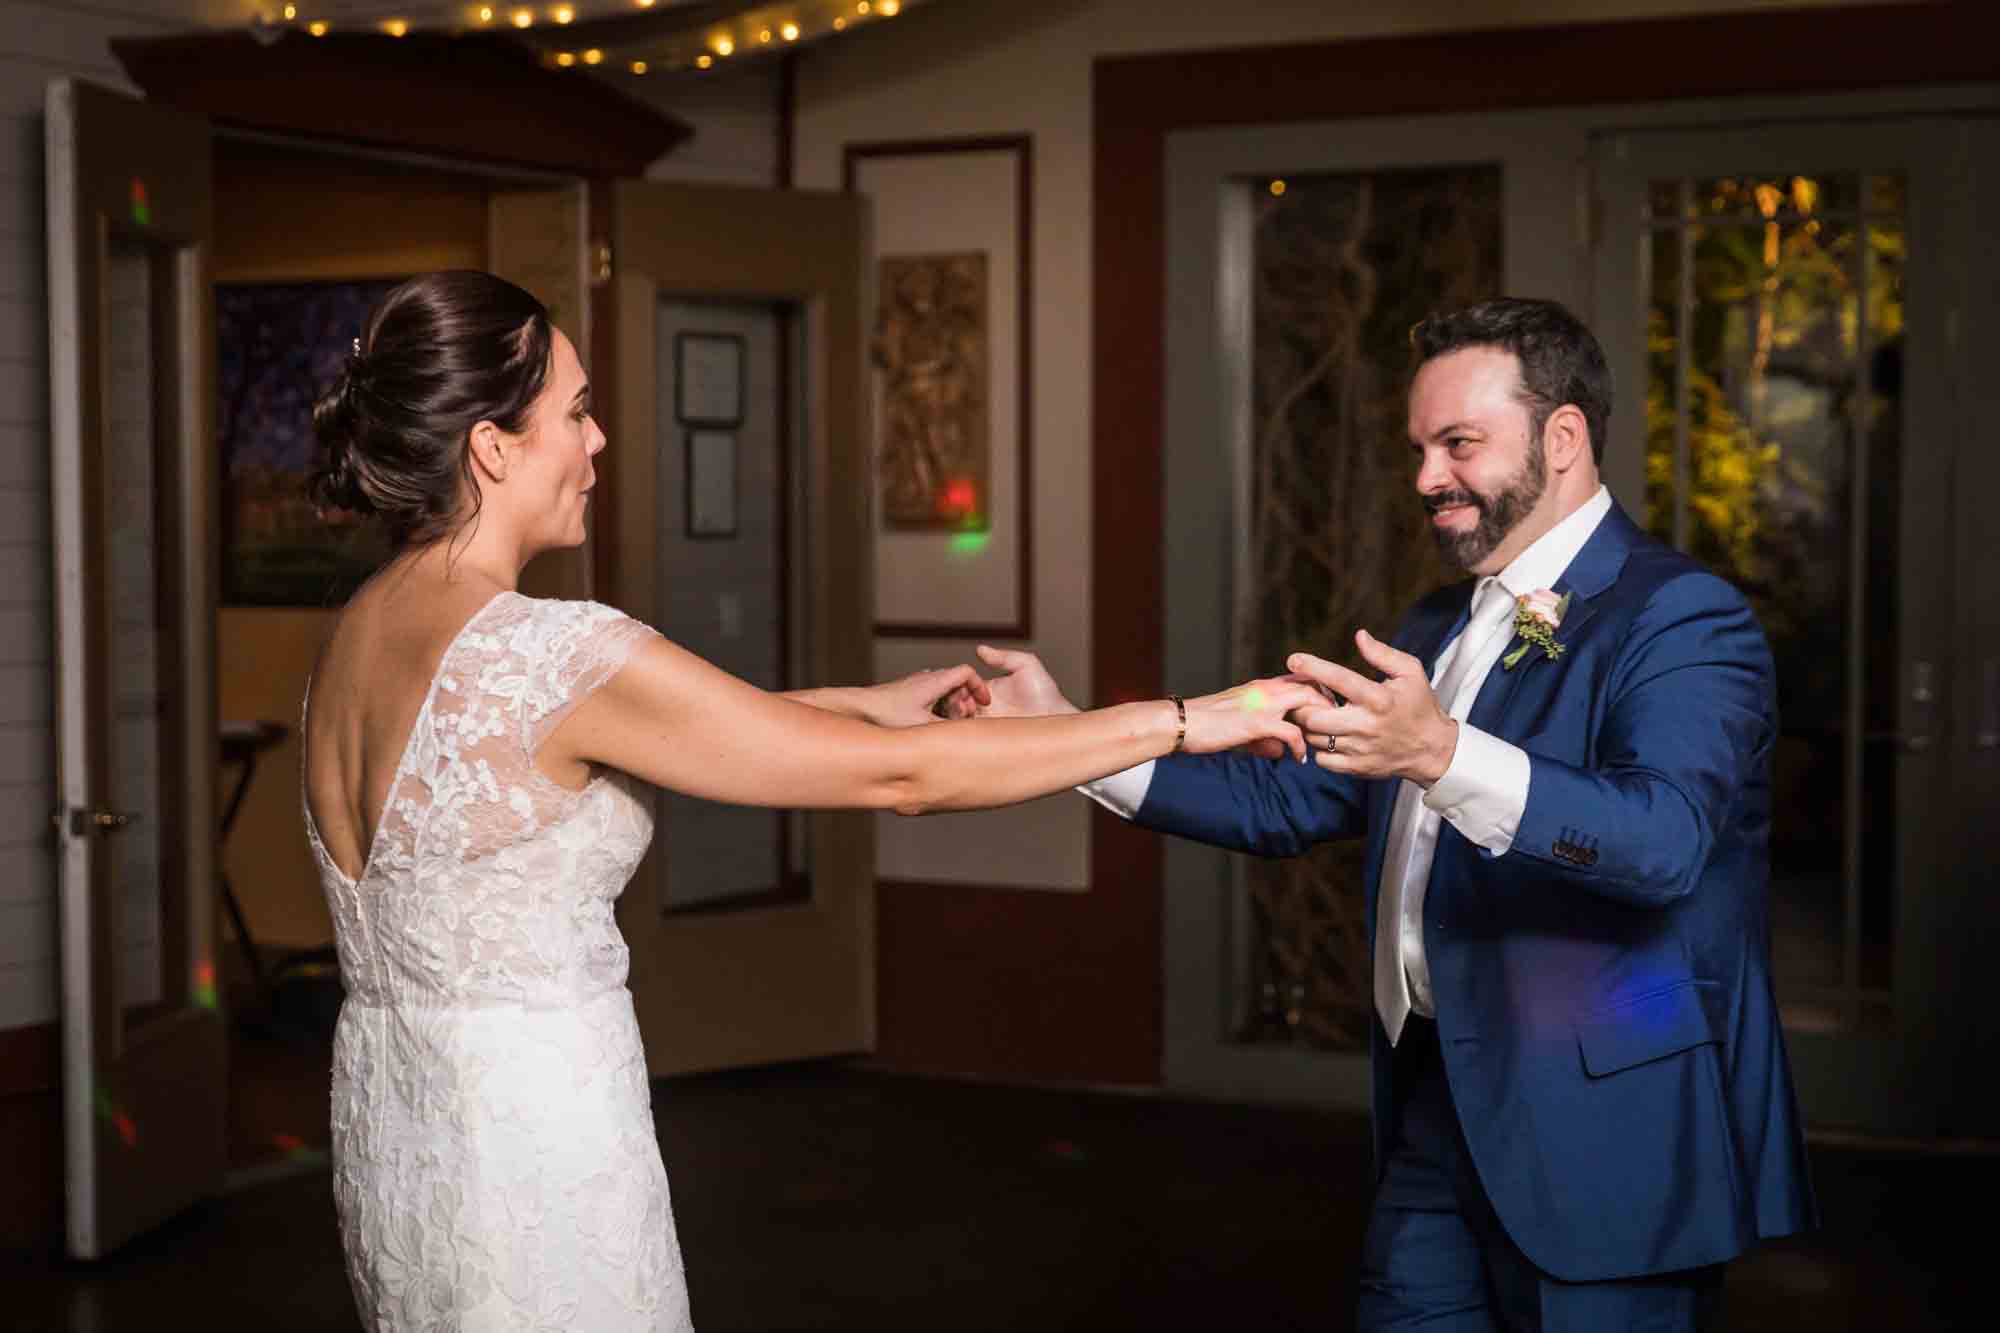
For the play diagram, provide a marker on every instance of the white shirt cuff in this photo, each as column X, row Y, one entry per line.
column 1124, row 792
column 1484, row 791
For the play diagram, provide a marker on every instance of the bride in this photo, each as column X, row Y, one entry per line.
column 474, row 775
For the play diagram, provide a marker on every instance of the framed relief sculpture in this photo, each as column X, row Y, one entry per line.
column 949, row 344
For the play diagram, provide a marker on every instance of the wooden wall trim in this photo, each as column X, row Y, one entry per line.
column 1796, row 51
column 1009, row 982
column 1138, row 100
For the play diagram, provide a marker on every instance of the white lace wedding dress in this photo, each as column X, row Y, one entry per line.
column 495, row 1165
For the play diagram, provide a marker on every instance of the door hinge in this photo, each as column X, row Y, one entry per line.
column 79, row 823
column 600, row 263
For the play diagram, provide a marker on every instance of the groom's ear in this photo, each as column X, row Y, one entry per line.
column 1566, row 437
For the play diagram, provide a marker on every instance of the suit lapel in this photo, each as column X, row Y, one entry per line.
column 1595, row 569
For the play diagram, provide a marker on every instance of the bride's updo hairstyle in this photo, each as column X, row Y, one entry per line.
column 441, row 353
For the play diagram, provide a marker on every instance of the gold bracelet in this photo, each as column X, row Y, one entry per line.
column 1180, row 711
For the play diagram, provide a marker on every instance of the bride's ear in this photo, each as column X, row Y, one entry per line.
column 488, row 447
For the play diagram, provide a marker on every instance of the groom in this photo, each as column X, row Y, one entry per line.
column 1582, row 1102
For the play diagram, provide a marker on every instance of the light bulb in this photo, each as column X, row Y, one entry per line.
column 565, row 58
column 638, row 67
column 593, row 57
column 890, row 8
column 316, row 29
column 723, row 46
column 790, row 32
column 704, row 60
column 524, row 18
column 563, row 14
column 396, row 27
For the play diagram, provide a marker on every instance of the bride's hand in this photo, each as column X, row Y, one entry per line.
column 1250, row 716
column 925, row 696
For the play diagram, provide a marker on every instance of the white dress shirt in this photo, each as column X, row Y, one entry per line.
column 1485, row 788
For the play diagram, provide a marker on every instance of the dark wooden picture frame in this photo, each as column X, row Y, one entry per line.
column 1022, row 146
column 696, row 476
column 688, row 414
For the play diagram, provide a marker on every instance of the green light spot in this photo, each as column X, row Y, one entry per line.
column 969, row 543
column 1252, row 701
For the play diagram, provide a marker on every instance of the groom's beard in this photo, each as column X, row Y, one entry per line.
column 1498, row 514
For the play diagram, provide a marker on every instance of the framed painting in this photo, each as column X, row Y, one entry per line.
column 279, row 346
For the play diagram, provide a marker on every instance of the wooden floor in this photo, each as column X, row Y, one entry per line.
column 830, row 1197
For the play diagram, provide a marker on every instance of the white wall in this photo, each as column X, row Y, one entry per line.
column 38, row 42
column 957, row 70
column 735, row 119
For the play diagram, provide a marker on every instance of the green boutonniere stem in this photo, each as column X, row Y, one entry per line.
column 1534, row 629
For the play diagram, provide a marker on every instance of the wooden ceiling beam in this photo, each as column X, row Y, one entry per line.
column 478, row 97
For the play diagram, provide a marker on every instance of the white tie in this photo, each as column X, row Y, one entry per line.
column 1491, row 609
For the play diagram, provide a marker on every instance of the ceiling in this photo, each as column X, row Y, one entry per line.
column 622, row 38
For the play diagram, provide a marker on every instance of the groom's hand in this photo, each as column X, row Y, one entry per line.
column 1388, row 728
column 1026, row 689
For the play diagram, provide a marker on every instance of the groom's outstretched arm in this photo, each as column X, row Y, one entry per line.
column 1271, row 807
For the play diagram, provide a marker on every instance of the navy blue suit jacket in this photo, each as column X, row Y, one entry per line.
column 1603, row 989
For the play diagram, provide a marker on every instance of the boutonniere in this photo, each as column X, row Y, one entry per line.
column 1536, row 617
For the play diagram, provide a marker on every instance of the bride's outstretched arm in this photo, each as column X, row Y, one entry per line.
column 677, row 721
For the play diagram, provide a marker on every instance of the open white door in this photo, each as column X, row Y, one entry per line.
column 131, row 339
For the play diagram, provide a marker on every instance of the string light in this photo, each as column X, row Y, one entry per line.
column 291, row 12
column 645, row 4
column 565, row 58
column 486, row 13
column 891, row 8
column 564, row 14
column 704, row 60
column 764, row 36
column 316, row 29
column 723, row 46
column 638, row 67
column 593, row 57
column 524, row 18
column 861, row 8
column 396, row 27
column 790, row 32
column 840, row 24
column 1277, row 187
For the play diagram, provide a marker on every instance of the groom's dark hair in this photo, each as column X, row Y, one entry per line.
column 1561, row 361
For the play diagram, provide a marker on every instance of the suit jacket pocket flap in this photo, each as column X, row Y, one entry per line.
column 1648, row 1028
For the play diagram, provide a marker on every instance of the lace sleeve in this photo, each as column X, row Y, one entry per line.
column 575, row 648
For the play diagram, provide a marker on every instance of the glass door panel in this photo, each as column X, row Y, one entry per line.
column 1777, row 304
column 1342, row 265
column 1774, row 428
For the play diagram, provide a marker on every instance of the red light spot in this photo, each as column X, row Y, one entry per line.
column 204, row 973
column 127, row 1131
column 959, row 497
